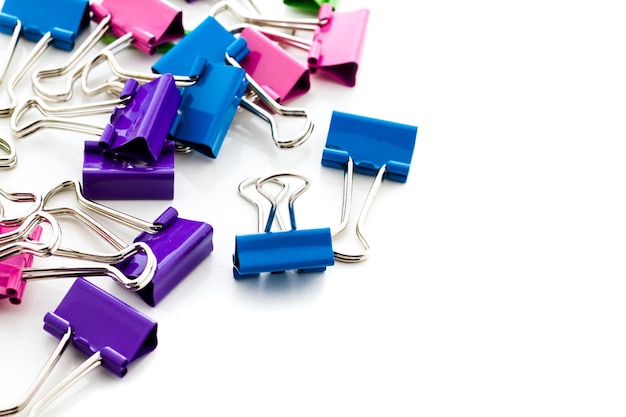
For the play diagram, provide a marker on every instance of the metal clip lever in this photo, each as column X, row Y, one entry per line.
column 10, row 160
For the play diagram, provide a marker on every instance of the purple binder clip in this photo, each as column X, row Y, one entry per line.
column 178, row 244
column 11, row 283
column 109, row 332
column 44, row 22
column 372, row 147
column 111, row 177
column 139, row 122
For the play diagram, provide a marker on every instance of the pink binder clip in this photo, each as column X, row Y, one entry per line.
column 336, row 45
column 151, row 23
column 278, row 72
column 11, row 283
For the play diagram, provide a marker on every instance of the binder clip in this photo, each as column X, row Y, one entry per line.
column 46, row 23
column 109, row 332
column 227, row 84
column 276, row 71
column 138, row 125
column 337, row 41
column 178, row 244
column 11, row 283
column 303, row 250
column 10, row 159
column 133, row 158
column 371, row 147
column 310, row 5
column 146, row 25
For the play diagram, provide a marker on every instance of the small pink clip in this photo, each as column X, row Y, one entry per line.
column 11, row 283
column 151, row 24
column 337, row 44
column 281, row 75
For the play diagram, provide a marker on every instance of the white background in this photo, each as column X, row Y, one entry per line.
column 495, row 282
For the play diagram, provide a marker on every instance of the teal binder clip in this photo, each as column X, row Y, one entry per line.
column 371, row 147
column 303, row 250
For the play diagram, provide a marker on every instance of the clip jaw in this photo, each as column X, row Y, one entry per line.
column 308, row 250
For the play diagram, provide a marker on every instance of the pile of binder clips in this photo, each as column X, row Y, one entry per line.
column 184, row 103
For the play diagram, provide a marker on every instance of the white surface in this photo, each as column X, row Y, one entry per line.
column 495, row 284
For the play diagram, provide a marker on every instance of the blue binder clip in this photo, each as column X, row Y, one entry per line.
column 194, row 56
column 305, row 250
column 47, row 23
column 109, row 332
column 208, row 108
column 179, row 245
column 371, row 147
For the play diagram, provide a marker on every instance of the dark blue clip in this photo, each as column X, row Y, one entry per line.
column 179, row 245
column 371, row 147
column 110, row 332
column 307, row 250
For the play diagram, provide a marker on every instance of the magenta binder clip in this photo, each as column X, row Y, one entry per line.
column 337, row 45
column 281, row 75
column 372, row 147
column 150, row 23
column 109, row 332
column 112, row 177
column 11, row 283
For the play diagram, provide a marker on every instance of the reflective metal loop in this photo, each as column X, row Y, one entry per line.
column 33, row 56
column 79, row 53
column 274, row 203
column 102, row 210
column 240, row 12
column 54, row 357
column 282, row 192
column 345, row 212
column 83, row 369
column 123, row 252
column 17, row 241
column 57, row 116
column 10, row 159
column 121, row 74
column 17, row 30
column 250, row 105
column 35, row 199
